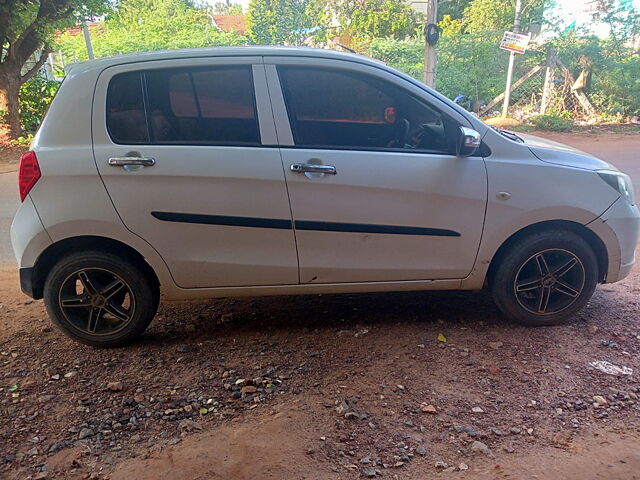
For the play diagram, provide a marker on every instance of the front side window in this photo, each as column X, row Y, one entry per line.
column 331, row 108
column 196, row 106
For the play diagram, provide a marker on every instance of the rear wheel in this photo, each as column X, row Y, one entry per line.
column 99, row 298
column 545, row 278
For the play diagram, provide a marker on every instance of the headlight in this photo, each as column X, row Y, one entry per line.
column 620, row 182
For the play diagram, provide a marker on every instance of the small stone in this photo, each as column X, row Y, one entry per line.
column 496, row 431
column 477, row 410
column 600, row 400
column 480, row 447
column 368, row 471
column 188, row 425
column 508, row 449
column 421, row 451
column 342, row 408
column 496, row 345
column 55, row 377
column 463, row 466
column 515, row 430
column 115, row 386
column 592, row 328
column 45, row 398
column 249, row 389
column 70, row 374
column 85, row 433
column 441, row 464
column 400, row 387
column 428, row 409
column 136, row 438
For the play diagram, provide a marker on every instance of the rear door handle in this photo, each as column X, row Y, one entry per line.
column 311, row 168
column 123, row 161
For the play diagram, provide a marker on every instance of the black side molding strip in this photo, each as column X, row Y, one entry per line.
column 301, row 224
column 223, row 220
column 370, row 228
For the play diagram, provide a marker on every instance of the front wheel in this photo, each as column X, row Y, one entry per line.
column 545, row 278
column 99, row 299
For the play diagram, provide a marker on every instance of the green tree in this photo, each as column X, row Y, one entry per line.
column 228, row 8
column 498, row 15
column 144, row 25
column 272, row 22
column 374, row 18
column 26, row 33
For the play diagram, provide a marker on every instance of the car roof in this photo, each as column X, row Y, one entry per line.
column 220, row 52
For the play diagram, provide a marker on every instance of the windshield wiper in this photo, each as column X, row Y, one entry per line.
column 509, row 135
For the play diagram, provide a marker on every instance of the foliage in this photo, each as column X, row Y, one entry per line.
column 27, row 26
column 373, row 18
column 497, row 15
column 557, row 122
column 35, row 97
column 274, row 22
column 144, row 25
column 227, row 8
column 468, row 64
column 614, row 88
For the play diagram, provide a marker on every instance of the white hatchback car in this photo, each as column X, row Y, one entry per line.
column 267, row 171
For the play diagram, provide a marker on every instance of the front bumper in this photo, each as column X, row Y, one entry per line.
column 618, row 228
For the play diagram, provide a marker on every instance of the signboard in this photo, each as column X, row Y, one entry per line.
column 515, row 42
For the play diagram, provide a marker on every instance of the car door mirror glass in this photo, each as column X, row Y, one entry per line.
column 468, row 143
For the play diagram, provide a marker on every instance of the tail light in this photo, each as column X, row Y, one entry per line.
column 29, row 174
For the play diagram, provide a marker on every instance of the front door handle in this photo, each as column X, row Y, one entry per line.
column 124, row 161
column 311, row 168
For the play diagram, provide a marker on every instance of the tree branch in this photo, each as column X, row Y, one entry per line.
column 33, row 70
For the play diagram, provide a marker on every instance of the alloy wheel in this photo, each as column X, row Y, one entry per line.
column 549, row 281
column 97, row 301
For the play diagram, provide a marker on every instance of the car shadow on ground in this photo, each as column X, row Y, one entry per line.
column 180, row 322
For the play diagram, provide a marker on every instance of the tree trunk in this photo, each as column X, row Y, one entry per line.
column 9, row 107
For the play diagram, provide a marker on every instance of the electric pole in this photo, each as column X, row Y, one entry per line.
column 512, row 57
column 87, row 40
column 429, row 48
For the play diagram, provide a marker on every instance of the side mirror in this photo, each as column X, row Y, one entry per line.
column 468, row 143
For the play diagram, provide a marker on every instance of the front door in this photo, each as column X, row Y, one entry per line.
column 376, row 191
column 209, row 196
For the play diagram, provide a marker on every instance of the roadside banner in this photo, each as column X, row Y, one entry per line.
column 515, row 42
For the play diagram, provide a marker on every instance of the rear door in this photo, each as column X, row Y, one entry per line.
column 211, row 196
column 377, row 192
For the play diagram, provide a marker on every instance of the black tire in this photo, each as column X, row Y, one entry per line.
column 102, row 292
column 526, row 294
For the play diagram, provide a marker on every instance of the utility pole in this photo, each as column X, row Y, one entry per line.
column 512, row 57
column 430, row 49
column 87, row 39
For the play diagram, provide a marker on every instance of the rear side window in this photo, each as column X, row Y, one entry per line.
column 126, row 120
column 196, row 106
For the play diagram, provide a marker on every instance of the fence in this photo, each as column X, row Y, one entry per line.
column 547, row 87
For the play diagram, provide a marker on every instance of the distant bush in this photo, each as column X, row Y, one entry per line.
column 557, row 122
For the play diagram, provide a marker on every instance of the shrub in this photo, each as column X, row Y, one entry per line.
column 557, row 122
column 35, row 97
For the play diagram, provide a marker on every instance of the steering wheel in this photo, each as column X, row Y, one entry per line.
column 401, row 133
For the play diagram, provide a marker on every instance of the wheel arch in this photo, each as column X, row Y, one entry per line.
column 595, row 242
column 48, row 258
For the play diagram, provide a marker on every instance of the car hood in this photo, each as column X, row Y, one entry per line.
column 560, row 154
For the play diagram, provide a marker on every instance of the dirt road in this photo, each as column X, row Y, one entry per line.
column 325, row 387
